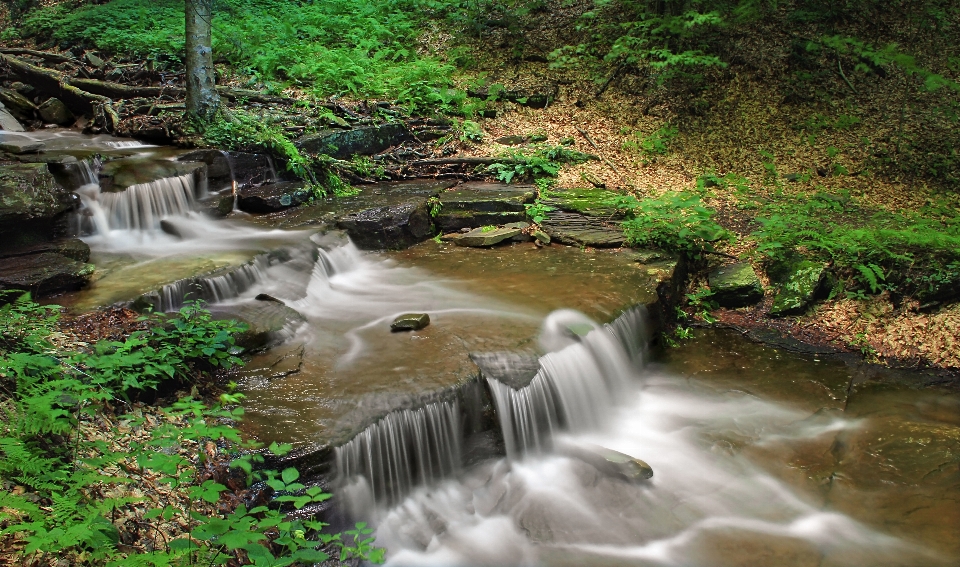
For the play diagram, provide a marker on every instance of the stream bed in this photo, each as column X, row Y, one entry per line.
column 541, row 357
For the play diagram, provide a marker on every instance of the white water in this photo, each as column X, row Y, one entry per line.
column 706, row 504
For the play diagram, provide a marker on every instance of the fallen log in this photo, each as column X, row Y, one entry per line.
column 54, row 83
column 46, row 55
column 460, row 161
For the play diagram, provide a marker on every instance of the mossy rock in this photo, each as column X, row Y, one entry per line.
column 586, row 201
column 368, row 140
column 42, row 274
column 735, row 285
column 804, row 282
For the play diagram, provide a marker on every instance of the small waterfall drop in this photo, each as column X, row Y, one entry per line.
column 140, row 207
column 405, row 449
column 577, row 384
column 212, row 289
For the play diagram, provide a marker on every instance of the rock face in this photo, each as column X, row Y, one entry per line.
column 222, row 167
column 473, row 205
column 367, row 140
column 389, row 227
column 18, row 105
column 273, row 197
column 410, row 322
column 800, row 289
column 481, row 238
column 574, row 229
column 735, row 285
column 8, row 122
column 32, row 206
column 44, row 274
column 55, row 112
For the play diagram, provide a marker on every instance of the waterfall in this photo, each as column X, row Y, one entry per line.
column 404, row 449
column 576, row 385
column 212, row 289
column 139, row 207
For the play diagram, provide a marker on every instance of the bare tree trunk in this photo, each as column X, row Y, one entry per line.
column 202, row 99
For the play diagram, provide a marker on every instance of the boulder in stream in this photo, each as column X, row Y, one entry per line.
column 33, row 206
column 44, row 274
column 735, row 285
column 608, row 461
column 389, row 227
column 410, row 322
column 273, row 197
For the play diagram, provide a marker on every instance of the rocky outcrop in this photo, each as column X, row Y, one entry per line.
column 366, row 140
column 42, row 274
column 33, row 207
column 273, row 197
column 474, row 205
column 389, row 227
column 735, row 285
column 575, row 229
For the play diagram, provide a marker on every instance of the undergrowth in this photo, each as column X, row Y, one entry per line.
column 63, row 488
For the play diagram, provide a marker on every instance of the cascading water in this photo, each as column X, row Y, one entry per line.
column 213, row 289
column 140, row 207
column 577, row 383
column 404, row 449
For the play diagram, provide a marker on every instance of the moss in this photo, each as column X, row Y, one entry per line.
column 591, row 202
column 799, row 289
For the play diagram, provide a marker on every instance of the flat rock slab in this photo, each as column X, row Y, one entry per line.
column 72, row 248
column 410, row 322
column 481, row 238
column 44, row 274
column 587, row 202
column 574, row 229
column 735, row 285
column 473, row 205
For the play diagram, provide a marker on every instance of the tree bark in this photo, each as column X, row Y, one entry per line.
column 202, row 99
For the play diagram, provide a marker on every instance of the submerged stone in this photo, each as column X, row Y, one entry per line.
column 481, row 238
column 608, row 461
column 410, row 322
column 799, row 290
column 735, row 285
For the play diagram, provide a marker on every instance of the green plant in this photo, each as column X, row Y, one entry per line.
column 339, row 187
column 470, row 131
column 678, row 222
column 655, row 144
column 242, row 130
column 436, row 205
column 537, row 211
column 702, row 304
column 543, row 161
column 488, row 228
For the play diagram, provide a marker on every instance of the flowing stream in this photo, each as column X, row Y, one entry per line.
column 759, row 457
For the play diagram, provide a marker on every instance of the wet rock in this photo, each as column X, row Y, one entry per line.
column 608, row 461
column 14, row 144
column 32, row 206
column 170, row 228
column 8, row 122
column 410, row 322
column 267, row 297
column 473, row 205
column 481, row 237
column 514, row 369
column 44, row 274
column 735, row 285
column 72, row 248
column 574, row 229
column 53, row 111
column 540, row 236
column 18, row 105
column 223, row 167
column 270, row 323
column 273, row 197
column 800, row 289
column 389, row 227
column 367, row 140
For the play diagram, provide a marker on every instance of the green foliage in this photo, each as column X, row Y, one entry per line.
column 913, row 253
column 242, row 130
column 542, row 161
column 537, row 211
column 655, row 144
column 677, row 222
column 340, row 188
column 66, row 498
column 470, row 131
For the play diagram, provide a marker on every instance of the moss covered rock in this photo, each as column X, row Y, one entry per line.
column 800, row 288
column 735, row 285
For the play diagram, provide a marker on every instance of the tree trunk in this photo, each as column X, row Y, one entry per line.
column 202, row 99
